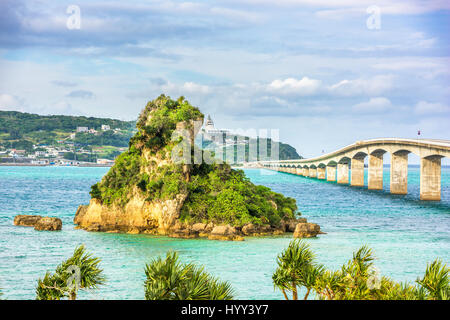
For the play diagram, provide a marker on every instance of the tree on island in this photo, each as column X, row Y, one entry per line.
column 80, row 271
column 169, row 279
column 356, row 280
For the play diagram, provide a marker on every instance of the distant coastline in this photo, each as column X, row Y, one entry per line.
column 52, row 165
column 110, row 165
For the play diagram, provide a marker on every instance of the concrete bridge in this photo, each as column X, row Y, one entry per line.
column 335, row 166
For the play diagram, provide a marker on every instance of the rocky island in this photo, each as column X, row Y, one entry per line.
column 146, row 191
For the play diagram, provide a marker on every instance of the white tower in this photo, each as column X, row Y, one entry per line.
column 209, row 125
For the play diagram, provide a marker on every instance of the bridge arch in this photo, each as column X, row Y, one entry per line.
column 344, row 160
column 332, row 163
column 359, row 155
column 337, row 163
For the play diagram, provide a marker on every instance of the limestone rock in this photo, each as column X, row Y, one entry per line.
column 264, row 229
column 133, row 231
column 224, row 233
column 306, row 230
column 184, row 234
column 199, row 227
column 224, row 230
column 209, row 227
column 248, row 229
column 48, row 224
column 26, row 220
column 79, row 215
column 290, row 224
column 162, row 216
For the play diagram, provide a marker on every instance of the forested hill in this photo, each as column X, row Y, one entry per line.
column 288, row 152
column 23, row 131
column 23, row 123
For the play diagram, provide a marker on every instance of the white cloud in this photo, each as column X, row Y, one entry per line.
column 10, row 103
column 192, row 87
column 302, row 87
column 236, row 14
column 372, row 86
column 374, row 105
column 387, row 6
column 429, row 108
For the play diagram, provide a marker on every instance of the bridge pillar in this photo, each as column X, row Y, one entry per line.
column 342, row 173
column 312, row 172
column 375, row 176
column 399, row 172
column 306, row 172
column 357, row 172
column 331, row 173
column 321, row 173
column 430, row 178
column 298, row 171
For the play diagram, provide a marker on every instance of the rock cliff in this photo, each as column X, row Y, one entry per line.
column 159, row 186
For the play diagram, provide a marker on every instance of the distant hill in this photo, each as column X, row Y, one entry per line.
column 14, row 122
column 288, row 152
column 20, row 130
column 285, row 151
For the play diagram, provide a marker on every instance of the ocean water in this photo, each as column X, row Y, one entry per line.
column 404, row 232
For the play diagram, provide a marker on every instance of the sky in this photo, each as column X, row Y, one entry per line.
column 324, row 73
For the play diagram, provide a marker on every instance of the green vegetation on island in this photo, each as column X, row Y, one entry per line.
column 214, row 192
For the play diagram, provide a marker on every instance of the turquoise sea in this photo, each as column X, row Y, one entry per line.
column 404, row 232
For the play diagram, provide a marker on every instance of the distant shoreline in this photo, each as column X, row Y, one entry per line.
column 94, row 165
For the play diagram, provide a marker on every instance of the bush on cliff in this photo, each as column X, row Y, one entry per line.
column 214, row 192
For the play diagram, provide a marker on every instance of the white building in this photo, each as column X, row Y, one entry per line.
column 105, row 161
column 40, row 162
column 211, row 133
column 82, row 129
column 105, row 127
